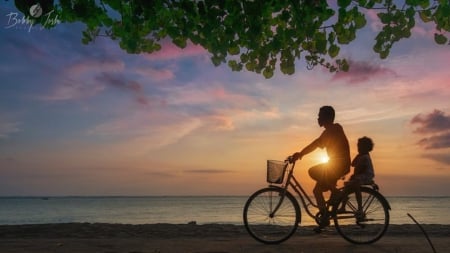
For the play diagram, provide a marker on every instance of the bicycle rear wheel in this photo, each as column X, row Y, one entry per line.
column 368, row 226
column 267, row 226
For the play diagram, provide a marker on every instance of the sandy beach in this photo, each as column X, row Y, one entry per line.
column 210, row 238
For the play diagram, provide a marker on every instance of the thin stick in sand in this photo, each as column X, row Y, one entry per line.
column 423, row 231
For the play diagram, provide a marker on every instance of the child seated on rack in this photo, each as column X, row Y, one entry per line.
column 363, row 172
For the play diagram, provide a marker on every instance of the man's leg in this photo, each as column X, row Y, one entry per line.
column 318, row 173
column 323, row 220
column 318, row 194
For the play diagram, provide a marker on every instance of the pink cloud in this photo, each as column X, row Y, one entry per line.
column 156, row 74
column 90, row 77
column 361, row 71
column 122, row 83
column 94, row 66
column 78, row 80
column 72, row 90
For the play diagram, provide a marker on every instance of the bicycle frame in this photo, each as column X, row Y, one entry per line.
column 292, row 182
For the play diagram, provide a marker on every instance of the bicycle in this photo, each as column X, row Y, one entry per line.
column 272, row 214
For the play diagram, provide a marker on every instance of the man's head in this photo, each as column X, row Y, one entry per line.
column 326, row 115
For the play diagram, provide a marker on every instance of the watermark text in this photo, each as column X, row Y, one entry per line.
column 15, row 20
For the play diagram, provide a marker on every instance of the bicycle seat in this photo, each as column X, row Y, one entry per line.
column 372, row 184
column 369, row 183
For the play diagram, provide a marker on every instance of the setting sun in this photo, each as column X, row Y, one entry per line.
column 324, row 158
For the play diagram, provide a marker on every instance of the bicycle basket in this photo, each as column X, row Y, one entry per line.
column 275, row 171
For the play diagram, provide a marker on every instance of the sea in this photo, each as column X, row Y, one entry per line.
column 181, row 210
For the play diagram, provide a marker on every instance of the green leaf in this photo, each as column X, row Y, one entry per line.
column 268, row 72
column 384, row 54
column 234, row 50
column 412, row 2
column 424, row 3
column 342, row 15
column 250, row 66
column 244, row 58
column 360, row 21
column 384, row 18
column 331, row 37
column 344, row 3
column 307, row 45
column 287, row 68
column 410, row 12
column 369, row 4
column 440, row 39
column 333, row 51
column 85, row 41
column 180, row 42
column 362, row 2
column 216, row 60
column 344, row 66
column 234, row 65
column 321, row 43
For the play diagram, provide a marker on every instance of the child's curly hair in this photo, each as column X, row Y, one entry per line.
column 365, row 144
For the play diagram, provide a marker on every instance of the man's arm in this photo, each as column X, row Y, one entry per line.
column 308, row 149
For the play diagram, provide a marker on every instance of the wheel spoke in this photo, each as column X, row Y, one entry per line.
column 365, row 227
column 268, row 220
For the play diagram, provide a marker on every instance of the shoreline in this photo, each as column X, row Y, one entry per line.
column 167, row 230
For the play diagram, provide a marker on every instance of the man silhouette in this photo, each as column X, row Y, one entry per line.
column 335, row 142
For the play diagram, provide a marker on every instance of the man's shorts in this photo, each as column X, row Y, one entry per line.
column 326, row 176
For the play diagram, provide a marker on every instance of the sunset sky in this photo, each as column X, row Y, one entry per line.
column 93, row 120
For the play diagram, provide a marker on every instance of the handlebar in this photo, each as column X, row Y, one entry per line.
column 290, row 159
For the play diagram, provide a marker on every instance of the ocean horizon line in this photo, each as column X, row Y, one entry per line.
column 186, row 196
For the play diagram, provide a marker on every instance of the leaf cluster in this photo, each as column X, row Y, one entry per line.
column 259, row 36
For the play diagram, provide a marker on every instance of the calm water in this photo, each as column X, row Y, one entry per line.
column 179, row 210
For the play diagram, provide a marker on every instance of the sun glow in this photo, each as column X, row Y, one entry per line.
column 324, row 158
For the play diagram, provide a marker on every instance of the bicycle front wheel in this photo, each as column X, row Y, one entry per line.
column 271, row 215
column 364, row 226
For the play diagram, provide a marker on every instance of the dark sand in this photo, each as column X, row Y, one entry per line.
column 210, row 238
